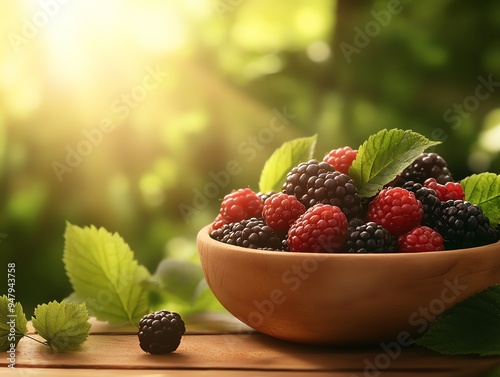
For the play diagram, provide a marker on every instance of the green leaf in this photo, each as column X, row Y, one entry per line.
column 469, row 327
column 383, row 156
column 102, row 270
column 290, row 154
column 12, row 323
column 179, row 278
column 63, row 325
column 484, row 190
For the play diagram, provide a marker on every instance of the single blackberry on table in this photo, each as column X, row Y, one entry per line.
column 321, row 229
column 316, row 182
column 396, row 209
column 251, row 233
column 240, row 205
column 420, row 239
column 463, row 225
column 341, row 158
column 371, row 238
column 280, row 211
column 427, row 165
column 431, row 204
column 161, row 332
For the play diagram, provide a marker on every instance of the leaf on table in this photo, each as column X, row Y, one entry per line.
column 383, row 156
column 63, row 325
column 103, row 272
column 12, row 318
column 469, row 327
column 289, row 155
column 484, row 190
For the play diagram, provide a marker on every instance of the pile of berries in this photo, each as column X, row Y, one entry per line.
column 319, row 210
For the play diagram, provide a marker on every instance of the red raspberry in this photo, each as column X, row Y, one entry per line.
column 421, row 238
column 448, row 191
column 280, row 211
column 241, row 205
column 321, row 229
column 396, row 209
column 341, row 158
column 219, row 222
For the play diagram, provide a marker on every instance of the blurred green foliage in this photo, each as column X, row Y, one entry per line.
column 226, row 72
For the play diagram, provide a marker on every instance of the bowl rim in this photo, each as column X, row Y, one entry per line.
column 204, row 235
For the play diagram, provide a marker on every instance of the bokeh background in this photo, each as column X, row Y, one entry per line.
column 184, row 87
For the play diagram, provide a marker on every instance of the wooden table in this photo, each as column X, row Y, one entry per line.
column 223, row 347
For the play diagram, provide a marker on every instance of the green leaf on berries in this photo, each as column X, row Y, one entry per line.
column 12, row 323
column 289, row 155
column 383, row 156
column 104, row 274
column 63, row 325
column 484, row 190
column 469, row 327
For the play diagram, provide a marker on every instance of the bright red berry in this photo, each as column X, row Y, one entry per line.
column 219, row 222
column 396, row 209
column 341, row 158
column 280, row 211
column 420, row 239
column 448, row 191
column 321, row 229
column 240, row 205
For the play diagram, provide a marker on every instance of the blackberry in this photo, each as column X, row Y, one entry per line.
column 161, row 332
column 316, row 182
column 354, row 223
column 371, row 238
column 427, row 165
column 430, row 202
column 266, row 195
column 463, row 225
column 252, row 233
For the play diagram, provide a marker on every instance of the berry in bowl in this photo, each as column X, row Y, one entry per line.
column 375, row 254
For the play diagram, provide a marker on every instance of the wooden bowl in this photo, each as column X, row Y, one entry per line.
column 343, row 298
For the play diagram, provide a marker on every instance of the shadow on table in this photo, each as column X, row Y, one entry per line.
column 384, row 360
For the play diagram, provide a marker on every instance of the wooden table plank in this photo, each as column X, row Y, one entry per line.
column 240, row 352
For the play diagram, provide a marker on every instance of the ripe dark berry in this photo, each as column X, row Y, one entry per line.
column 280, row 211
column 396, row 209
column 341, row 158
column 251, row 233
column 427, row 165
column 419, row 239
column 431, row 204
column 371, row 238
column 161, row 332
column 448, row 191
column 264, row 196
column 240, row 205
column 463, row 225
column 321, row 229
column 316, row 182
